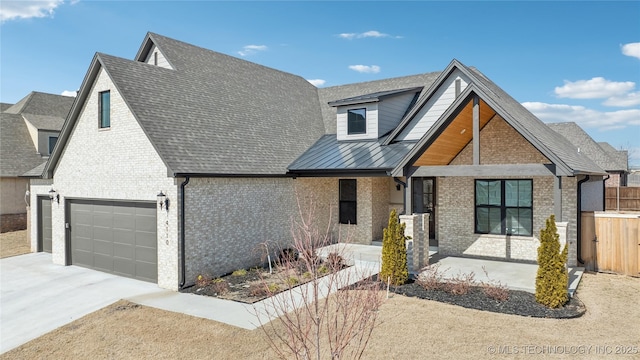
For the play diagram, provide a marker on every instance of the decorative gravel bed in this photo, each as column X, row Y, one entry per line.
column 519, row 303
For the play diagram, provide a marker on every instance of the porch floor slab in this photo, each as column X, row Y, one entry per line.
column 516, row 276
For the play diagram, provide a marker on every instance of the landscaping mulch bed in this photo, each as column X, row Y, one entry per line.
column 519, row 303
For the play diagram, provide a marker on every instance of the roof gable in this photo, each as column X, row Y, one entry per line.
column 214, row 114
column 550, row 144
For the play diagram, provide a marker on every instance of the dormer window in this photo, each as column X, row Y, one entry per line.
column 52, row 143
column 357, row 121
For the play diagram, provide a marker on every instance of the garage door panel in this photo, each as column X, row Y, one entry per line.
column 125, row 236
column 146, row 239
column 124, row 221
column 103, row 248
column 115, row 237
column 146, row 255
column 124, row 251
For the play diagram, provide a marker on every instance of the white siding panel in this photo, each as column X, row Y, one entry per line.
column 434, row 108
column 161, row 59
column 391, row 110
column 372, row 122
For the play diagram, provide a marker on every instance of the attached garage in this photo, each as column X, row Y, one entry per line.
column 115, row 237
column 44, row 224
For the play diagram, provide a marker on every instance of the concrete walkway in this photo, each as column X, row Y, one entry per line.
column 37, row 296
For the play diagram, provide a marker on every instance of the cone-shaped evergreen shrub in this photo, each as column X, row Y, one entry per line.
column 394, row 253
column 552, row 280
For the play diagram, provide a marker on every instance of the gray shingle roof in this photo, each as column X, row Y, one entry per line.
column 581, row 140
column 5, row 106
column 548, row 141
column 45, row 122
column 17, row 152
column 36, row 171
column 38, row 103
column 333, row 93
column 329, row 154
column 373, row 97
column 216, row 114
column 619, row 157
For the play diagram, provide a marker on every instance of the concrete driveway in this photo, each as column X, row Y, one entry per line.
column 38, row 296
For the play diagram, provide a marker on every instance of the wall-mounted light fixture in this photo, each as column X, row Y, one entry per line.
column 163, row 201
column 53, row 195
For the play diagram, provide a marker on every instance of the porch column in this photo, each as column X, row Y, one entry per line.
column 415, row 228
column 476, row 130
column 557, row 197
column 408, row 196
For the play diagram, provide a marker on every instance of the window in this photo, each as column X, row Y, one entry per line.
column 504, row 207
column 52, row 143
column 356, row 121
column 105, row 110
column 348, row 201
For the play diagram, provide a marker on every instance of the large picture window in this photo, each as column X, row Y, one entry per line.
column 348, row 208
column 504, row 207
column 356, row 121
column 105, row 109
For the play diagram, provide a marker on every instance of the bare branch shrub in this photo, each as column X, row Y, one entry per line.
column 220, row 286
column 431, row 278
column 327, row 317
column 460, row 284
column 494, row 289
column 203, row 280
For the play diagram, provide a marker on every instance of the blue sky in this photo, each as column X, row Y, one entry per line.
column 565, row 61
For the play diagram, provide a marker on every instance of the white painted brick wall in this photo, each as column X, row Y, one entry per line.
column 118, row 163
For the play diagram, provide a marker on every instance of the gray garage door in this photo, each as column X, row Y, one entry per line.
column 44, row 224
column 114, row 237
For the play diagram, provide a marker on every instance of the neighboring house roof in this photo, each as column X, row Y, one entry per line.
column 620, row 157
column 585, row 144
column 214, row 114
column 5, row 106
column 39, row 103
column 551, row 144
column 330, row 155
column 333, row 93
column 17, row 153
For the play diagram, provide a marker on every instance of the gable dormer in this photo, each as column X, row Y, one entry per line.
column 151, row 54
column 373, row 115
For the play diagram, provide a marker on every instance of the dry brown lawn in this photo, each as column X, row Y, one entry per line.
column 14, row 243
column 410, row 329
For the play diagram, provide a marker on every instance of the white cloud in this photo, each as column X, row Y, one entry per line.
column 584, row 116
column 628, row 100
column 12, row 10
column 596, row 88
column 69, row 93
column 316, row 82
column 631, row 49
column 251, row 49
column 366, row 34
column 369, row 69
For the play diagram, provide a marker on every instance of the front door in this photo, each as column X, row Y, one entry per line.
column 424, row 196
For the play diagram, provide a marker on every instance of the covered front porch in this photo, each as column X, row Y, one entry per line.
column 515, row 275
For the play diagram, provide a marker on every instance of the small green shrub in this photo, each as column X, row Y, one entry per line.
column 239, row 272
column 292, row 281
column 552, row 279
column 394, row 252
column 273, row 288
column 307, row 275
column 323, row 270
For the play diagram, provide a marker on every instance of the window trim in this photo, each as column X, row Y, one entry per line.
column 353, row 202
column 349, row 132
column 503, row 208
column 102, row 124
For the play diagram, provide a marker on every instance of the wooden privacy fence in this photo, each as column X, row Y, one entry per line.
column 610, row 242
column 622, row 198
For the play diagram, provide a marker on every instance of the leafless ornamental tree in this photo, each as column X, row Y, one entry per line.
column 327, row 310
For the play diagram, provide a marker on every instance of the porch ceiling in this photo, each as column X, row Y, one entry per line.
column 457, row 134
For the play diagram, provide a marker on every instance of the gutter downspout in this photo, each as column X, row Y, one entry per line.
column 579, row 220
column 404, row 194
column 604, row 193
column 183, row 266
